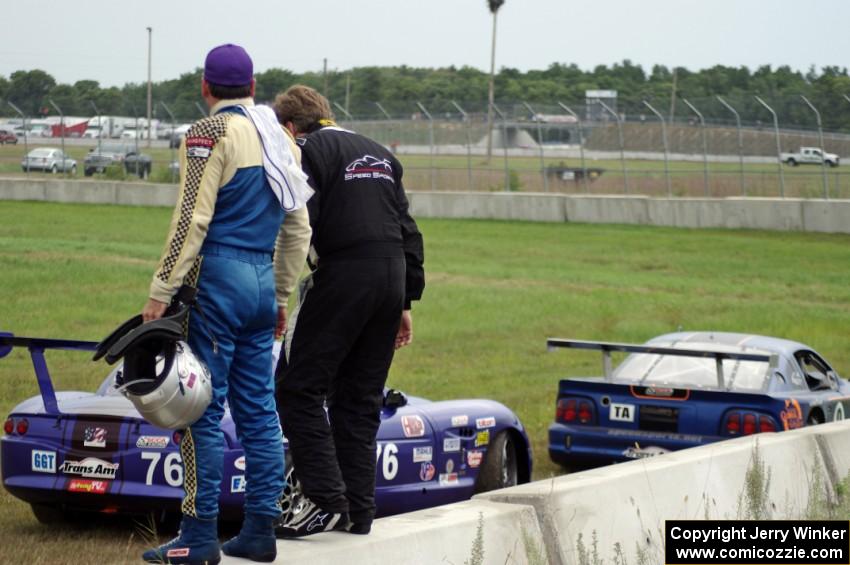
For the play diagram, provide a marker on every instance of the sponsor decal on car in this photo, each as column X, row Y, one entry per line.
column 792, row 415
column 237, row 483
column 43, row 461
column 369, row 167
column 240, row 463
column 653, row 435
column 427, row 472
column 451, row 444
column 638, row 452
column 94, row 437
column 458, row 421
column 90, row 467
column 448, row 479
column 86, row 485
column 412, row 426
column 450, row 466
column 482, row 438
column 621, row 412
column 474, row 457
column 488, row 422
column 152, row 442
column 653, row 392
column 422, row 454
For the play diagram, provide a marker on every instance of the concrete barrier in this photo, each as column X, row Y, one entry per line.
column 828, row 216
column 508, row 532
column 628, row 503
column 623, row 504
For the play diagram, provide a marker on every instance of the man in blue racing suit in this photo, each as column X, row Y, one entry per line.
column 231, row 217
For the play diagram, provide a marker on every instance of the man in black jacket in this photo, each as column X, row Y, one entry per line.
column 354, row 315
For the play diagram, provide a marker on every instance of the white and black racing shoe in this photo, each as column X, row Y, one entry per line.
column 312, row 520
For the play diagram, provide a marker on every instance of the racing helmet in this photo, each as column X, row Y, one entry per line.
column 169, row 386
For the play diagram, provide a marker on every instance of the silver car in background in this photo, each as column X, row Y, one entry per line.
column 48, row 160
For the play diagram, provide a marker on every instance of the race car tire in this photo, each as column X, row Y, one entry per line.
column 47, row 514
column 499, row 469
column 292, row 499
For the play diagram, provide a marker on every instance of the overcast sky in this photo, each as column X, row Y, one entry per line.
column 106, row 40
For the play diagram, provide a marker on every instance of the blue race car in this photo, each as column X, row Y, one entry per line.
column 70, row 450
column 686, row 389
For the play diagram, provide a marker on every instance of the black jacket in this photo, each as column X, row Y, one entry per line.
column 360, row 209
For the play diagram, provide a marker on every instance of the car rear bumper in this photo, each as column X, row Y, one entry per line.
column 594, row 446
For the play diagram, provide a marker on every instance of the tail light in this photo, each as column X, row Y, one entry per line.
column 748, row 423
column 575, row 411
column 766, row 424
column 733, row 424
column 585, row 413
column 9, row 426
column 566, row 410
column 23, row 426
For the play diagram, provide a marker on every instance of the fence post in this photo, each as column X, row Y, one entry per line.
column 26, row 133
column 344, row 111
column 504, row 146
column 468, row 145
column 99, row 123
column 430, row 143
column 170, row 145
column 540, row 145
column 622, row 144
column 62, row 127
column 740, row 141
column 389, row 125
column 666, row 148
column 778, row 146
column 704, row 145
column 580, row 143
column 822, row 149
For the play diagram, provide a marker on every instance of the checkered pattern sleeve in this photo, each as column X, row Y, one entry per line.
column 203, row 155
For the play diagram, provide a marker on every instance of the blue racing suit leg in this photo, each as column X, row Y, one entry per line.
column 236, row 295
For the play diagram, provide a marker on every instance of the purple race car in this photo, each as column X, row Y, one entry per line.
column 71, row 450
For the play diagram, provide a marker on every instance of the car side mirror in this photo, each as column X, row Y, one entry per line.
column 394, row 399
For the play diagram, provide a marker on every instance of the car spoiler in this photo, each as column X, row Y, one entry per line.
column 36, row 346
column 607, row 347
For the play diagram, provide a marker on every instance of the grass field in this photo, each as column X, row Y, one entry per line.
column 495, row 291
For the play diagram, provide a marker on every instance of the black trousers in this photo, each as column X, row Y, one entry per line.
column 341, row 352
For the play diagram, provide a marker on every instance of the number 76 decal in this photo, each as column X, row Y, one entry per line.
column 172, row 467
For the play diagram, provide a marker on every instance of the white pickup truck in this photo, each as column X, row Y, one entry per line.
column 809, row 156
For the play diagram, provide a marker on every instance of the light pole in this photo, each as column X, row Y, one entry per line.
column 740, row 141
column 494, row 6
column 150, row 30
column 666, row 147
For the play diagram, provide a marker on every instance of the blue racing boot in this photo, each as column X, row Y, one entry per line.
column 255, row 541
column 195, row 544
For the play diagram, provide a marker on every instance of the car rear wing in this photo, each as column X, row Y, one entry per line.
column 606, row 348
column 36, row 346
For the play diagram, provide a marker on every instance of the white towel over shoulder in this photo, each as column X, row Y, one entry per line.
column 286, row 178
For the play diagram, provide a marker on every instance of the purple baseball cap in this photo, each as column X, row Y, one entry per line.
column 228, row 65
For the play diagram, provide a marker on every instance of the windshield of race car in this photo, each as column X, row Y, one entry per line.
column 693, row 372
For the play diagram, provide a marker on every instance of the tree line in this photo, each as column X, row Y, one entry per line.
column 398, row 89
